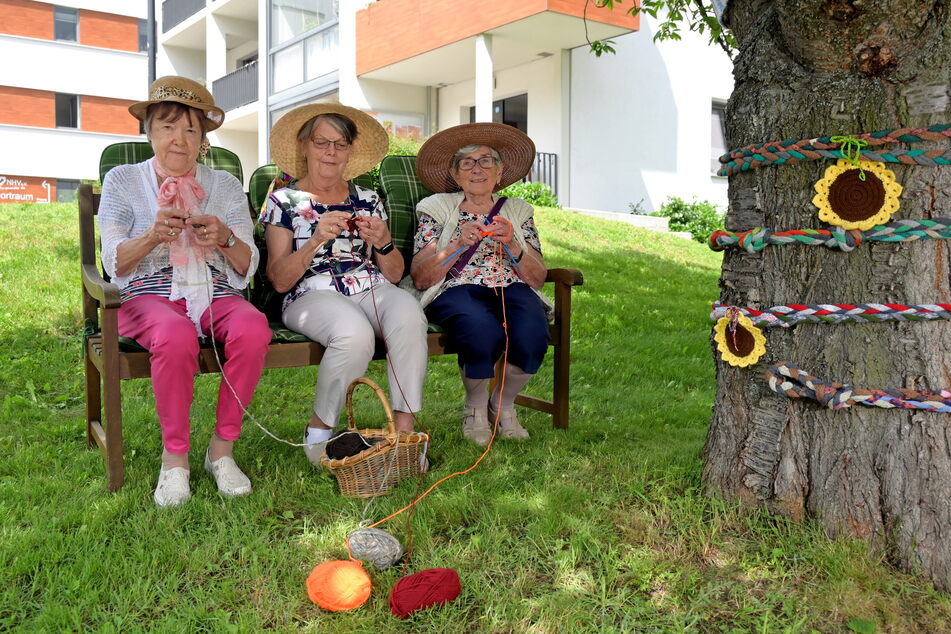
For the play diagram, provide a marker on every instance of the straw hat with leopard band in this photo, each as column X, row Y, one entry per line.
column 435, row 157
column 369, row 146
column 184, row 91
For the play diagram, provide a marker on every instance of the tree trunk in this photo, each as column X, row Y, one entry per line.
column 809, row 68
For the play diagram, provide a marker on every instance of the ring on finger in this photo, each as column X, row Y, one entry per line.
column 171, row 232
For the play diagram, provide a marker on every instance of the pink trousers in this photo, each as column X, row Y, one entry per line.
column 163, row 328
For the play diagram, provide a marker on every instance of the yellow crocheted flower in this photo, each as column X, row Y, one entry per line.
column 844, row 199
column 741, row 344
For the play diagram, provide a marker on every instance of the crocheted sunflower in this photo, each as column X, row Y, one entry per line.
column 739, row 342
column 844, row 199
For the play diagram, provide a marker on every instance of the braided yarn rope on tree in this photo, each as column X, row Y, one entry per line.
column 930, row 158
column 759, row 238
column 787, row 379
column 792, row 314
column 938, row 132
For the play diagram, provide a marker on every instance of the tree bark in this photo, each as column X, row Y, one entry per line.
column 809, row 68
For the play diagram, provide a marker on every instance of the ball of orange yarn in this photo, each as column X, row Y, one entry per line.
column 339, row 585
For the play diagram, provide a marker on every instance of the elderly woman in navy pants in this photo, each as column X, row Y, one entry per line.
column 479, row 261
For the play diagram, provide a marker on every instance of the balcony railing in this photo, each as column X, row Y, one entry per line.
column 544, row 170
column 236, row 88
column 175, row 11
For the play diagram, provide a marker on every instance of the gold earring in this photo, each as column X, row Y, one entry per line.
column 203, row 149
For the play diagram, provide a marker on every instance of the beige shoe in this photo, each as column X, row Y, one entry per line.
column 475, row 426
column 172, row 488
column 230, row 479
column 509, row 427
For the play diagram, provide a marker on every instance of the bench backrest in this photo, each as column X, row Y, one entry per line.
column 402, row 190
column 137, row 151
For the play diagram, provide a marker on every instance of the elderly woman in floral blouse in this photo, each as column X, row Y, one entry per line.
column 479, row 260
column 330, row 250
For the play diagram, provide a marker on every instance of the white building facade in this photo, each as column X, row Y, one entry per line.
column 613, row 132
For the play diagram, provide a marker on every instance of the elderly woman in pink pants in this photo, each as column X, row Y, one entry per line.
column 177, row 240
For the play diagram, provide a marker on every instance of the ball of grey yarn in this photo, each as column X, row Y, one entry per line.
column 376, row 546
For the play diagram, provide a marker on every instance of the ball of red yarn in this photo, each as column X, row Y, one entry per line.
column 339, row 585
column 427, row 587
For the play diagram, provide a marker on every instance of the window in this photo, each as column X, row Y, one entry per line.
column 143, row 36
column 512, row 111
column 290, row 18
column 67, row 111
column 717, row 134
column 65, row 24
column 247, row 60
column 66, row 190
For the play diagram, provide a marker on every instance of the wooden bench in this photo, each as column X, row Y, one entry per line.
column 109, row 361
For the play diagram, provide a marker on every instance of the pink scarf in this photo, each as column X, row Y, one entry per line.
column 191, row 279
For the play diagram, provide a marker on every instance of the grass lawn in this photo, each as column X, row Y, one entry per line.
column 601, row 528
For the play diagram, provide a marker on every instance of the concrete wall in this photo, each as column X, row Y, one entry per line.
column 641, row 122
column 541, row 79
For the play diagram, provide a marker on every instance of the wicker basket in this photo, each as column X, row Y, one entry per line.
column 376, row 470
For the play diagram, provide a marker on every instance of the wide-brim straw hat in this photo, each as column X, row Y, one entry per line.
column 435, row 157
column 368, row 149
column 184, row 91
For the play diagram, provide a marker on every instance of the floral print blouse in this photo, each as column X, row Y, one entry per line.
column 345, row 263
column 485, row 267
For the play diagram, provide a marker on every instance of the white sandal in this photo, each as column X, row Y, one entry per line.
column 172, row 488
column 228, row 476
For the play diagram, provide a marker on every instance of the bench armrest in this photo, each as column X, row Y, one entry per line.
column 568, row 277
column 106, row 293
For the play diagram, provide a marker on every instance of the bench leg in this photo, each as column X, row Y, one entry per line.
column 115, row 469
column 93, row 400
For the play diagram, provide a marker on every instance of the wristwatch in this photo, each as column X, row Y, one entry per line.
column 386, row 248
column 230, row 242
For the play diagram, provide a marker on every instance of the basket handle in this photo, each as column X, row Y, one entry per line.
column 390, row 424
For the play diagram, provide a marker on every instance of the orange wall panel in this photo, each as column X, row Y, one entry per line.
column 393, row 30
column 26, row 19
column 107, row 30
column 21, row 106
column 101, row 114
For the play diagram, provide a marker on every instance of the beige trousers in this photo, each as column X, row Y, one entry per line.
column 348, row 326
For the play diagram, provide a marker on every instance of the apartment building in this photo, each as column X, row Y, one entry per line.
column 69, row 72
column 611, row 132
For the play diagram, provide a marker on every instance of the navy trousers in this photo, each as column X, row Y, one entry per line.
column 471, row 315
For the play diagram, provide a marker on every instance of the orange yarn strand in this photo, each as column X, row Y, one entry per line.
column 495, row 425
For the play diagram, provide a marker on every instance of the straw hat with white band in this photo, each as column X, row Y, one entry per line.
column 435, row 157
column 367, row 151
column 184, row 91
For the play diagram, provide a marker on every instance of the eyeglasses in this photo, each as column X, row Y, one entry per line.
column 485, row 162
column 324, row 144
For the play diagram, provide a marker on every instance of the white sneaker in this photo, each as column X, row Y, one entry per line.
column 230, row 479
column 172, row 488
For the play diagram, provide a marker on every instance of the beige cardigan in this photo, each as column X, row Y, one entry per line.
column 444, row 209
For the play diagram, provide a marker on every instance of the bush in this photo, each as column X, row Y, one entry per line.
column 538, row 194
column 699, row 217
column 399, row 146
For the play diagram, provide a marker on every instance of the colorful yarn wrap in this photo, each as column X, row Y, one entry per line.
column 424, row 589
column 842, row 147
column 374, row 545
column 929, row 158
column 339, row 585
column 938, row 132
column 759, row 238
column 786, row 378
column 792, row 314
